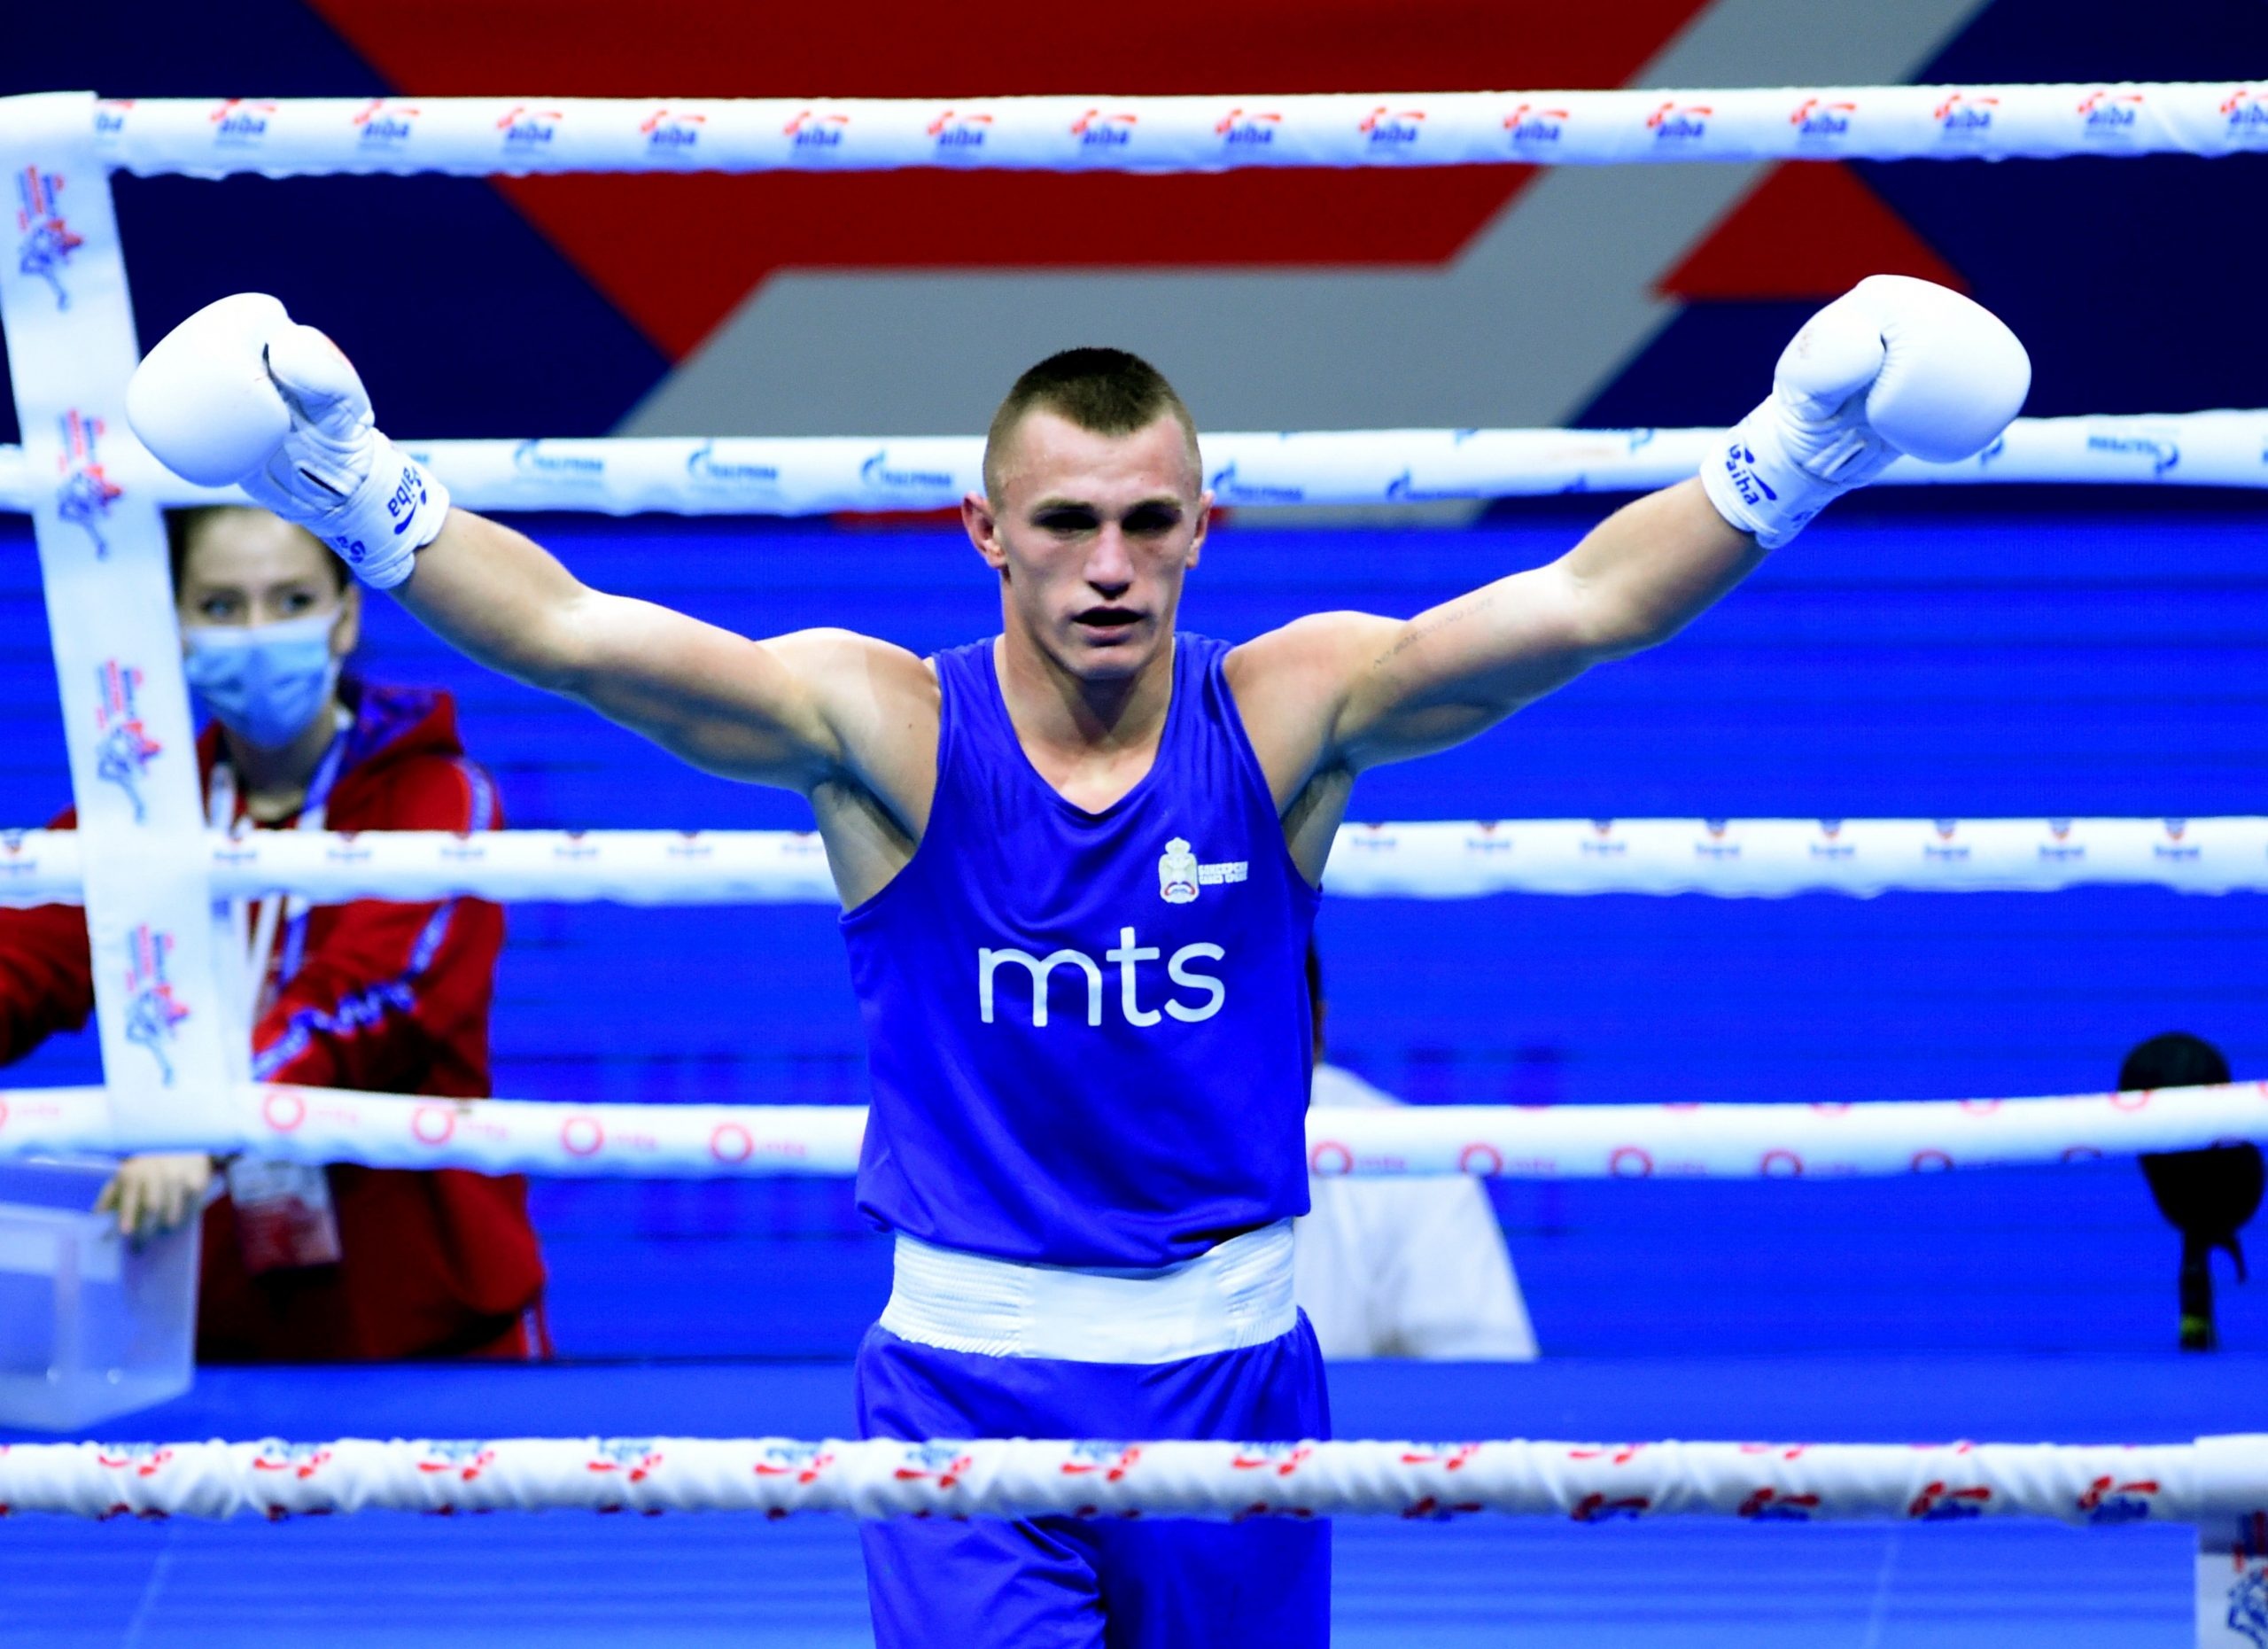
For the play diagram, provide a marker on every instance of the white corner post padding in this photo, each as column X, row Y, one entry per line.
column 170, row 1042
column 2231, row 1478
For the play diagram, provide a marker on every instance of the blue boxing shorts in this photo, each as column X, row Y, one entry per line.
column 1061, row 1583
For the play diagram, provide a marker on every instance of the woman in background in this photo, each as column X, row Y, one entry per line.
column 300, row 1264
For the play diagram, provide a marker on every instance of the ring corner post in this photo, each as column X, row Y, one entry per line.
column 167, row 1034
column 2233, row 1542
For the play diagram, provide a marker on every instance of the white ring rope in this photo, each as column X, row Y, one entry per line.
column 487, row 136
column 818, row 475
column 1487, row 1141
column 1730, row 858
column 2212, row 1479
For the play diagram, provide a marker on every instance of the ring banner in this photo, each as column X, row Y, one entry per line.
column 1725, row 858
column 166, row 1050
column 1686, row 1142
column 2096, row 1485
column 822, row 475
column 490, row 137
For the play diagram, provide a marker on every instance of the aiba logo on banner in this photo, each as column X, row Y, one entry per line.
column 44, row 242
column 84, row 494
column 123, row 747
column 153, row 1014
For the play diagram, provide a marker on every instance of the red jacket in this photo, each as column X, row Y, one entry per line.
column 389, row 998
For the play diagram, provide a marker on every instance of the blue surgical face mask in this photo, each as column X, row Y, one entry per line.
column 265, row 683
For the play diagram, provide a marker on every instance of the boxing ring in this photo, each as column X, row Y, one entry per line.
column 148, row 876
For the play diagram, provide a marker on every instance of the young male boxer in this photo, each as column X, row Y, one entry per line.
column 1078, row 864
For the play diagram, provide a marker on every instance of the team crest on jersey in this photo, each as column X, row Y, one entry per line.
column 1180, row 875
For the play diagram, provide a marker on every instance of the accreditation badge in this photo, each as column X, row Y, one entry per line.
column 284, row 1218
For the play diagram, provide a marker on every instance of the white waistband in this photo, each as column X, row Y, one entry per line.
column 1238, row 1293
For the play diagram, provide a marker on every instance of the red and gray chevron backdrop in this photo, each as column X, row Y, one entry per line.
column 901, row 303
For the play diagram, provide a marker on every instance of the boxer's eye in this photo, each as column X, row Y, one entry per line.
column 1068, row 520
column 1150, row 520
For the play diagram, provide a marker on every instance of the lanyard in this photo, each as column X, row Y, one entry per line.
column 290, row 914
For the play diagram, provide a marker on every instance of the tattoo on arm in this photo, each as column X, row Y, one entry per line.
column 1417, row 630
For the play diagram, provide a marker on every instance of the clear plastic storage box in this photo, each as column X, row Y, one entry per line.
column 91, row 1326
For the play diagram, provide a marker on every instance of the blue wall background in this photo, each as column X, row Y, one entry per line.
column 1984, row 655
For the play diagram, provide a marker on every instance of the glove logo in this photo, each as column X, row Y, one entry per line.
column 1740, row 465
column 407, row 495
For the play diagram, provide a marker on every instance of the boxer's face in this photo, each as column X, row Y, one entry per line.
column 1092, row 535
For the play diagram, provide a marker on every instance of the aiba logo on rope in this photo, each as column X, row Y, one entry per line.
column 953, row 131
column 808, row 131
column 1094, row 129
column 2109, row 1501
column 2109, row 115
column 1391, row 129
column 1528, row 125
column 1961, row 115
column 1180, row 875
column 1678, row 123
column 668, row 131
column 1248, row 127
column 123, row 749
column 44, row 242
column 380, row 127
column 2245, row 113
column 240, row 123
column 524, row 128
column 1816, row 117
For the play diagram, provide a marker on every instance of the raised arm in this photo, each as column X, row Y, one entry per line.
column 750, row 709
column 1896, row 366
column 239, row 392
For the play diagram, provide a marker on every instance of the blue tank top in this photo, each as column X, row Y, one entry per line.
column 1089, row 1033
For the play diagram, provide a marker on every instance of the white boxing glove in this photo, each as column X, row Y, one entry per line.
column 1894, row 366
column 240, row 392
